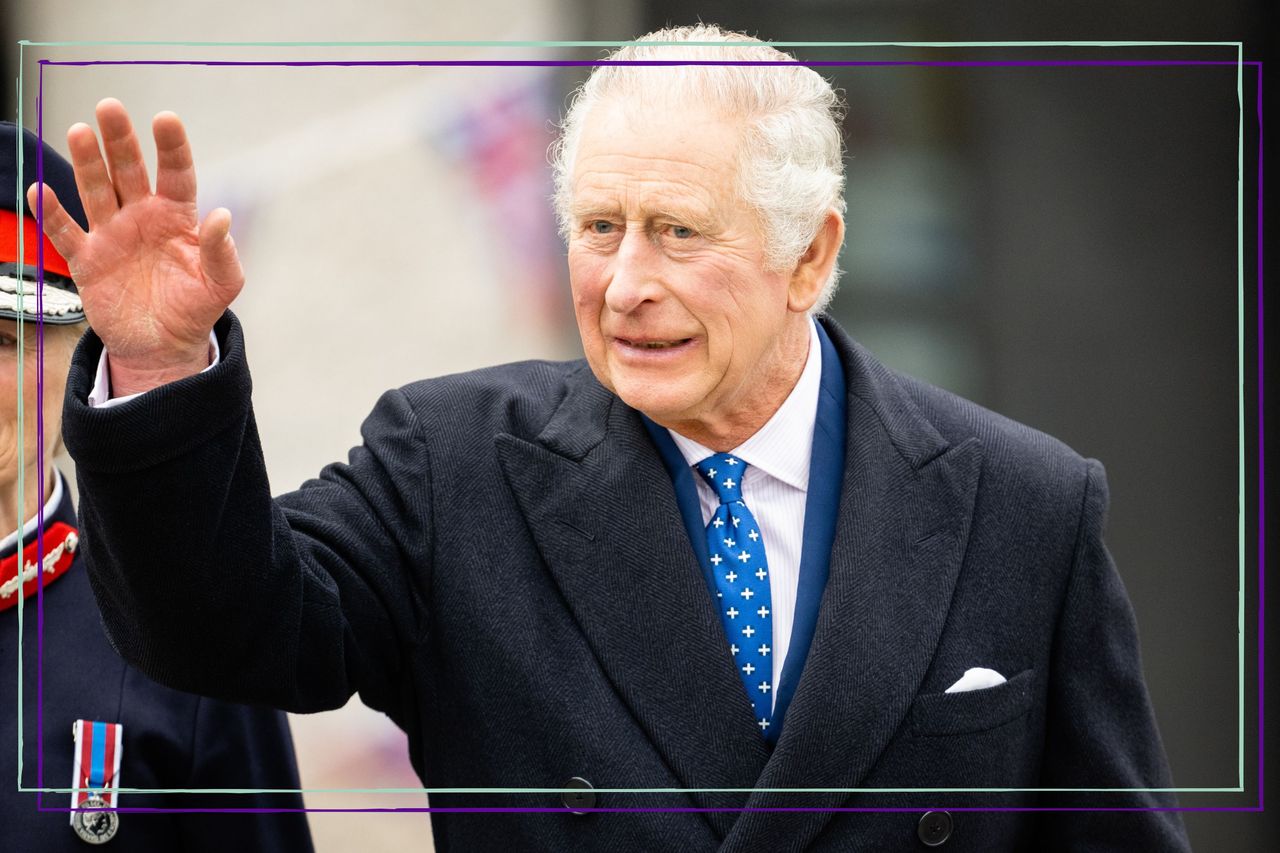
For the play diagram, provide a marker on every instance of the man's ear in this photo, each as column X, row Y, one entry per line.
column 815, row 265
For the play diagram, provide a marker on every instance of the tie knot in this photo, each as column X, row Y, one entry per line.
column 724, row 474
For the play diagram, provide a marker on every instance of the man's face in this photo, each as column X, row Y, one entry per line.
column 676, row 312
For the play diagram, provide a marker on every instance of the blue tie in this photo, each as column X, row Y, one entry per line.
column 736, row 551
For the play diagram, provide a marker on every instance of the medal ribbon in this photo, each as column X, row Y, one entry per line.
column 96, row 772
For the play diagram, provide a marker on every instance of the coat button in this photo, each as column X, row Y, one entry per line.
column 934, row 828
column 578, row 795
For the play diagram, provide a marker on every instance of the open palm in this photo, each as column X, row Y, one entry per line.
column 153, row 278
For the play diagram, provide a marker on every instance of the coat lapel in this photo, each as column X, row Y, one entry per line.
column 603, row 514
column 905, row 508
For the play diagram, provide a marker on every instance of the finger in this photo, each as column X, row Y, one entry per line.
column 175, row 168
column 218, row 256
column 124, row 154
column 64, row 232
column 96, row 191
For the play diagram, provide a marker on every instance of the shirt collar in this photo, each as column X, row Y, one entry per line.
column 29, row 529
column 783, row 447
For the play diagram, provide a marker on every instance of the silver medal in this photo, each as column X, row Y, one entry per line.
column 95, row 827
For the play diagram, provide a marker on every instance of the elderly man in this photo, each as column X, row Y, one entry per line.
column 728, row 552
column 78, row 696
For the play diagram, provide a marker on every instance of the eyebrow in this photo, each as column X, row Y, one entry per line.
column 594, row 211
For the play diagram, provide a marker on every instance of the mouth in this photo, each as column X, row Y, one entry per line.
column 653, row 344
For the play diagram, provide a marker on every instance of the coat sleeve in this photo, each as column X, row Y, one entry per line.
column 1101, row 729
column 207, row 584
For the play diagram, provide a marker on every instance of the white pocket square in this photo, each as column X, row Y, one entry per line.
column 976, row 678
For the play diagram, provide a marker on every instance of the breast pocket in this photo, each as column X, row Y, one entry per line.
column 935, row 714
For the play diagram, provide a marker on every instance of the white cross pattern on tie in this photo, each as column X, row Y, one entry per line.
column 732, row 510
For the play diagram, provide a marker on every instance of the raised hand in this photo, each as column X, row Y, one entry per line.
column 153, row 278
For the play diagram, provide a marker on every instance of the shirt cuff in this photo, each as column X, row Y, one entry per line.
column 100, row 396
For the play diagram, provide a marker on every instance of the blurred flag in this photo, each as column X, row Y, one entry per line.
column 501, row 141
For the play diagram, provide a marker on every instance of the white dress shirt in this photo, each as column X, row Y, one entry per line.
column 775, row 488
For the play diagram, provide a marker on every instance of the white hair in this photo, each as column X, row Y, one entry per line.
column 790, row 166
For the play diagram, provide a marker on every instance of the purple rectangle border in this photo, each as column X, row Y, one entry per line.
column 1106, row 63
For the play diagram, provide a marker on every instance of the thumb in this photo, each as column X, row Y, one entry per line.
column 219, row 260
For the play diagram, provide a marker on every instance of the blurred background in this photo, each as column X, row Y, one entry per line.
column 1058, row 244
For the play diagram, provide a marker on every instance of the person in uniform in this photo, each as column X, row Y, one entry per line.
column 727, row 556
column 86, row 718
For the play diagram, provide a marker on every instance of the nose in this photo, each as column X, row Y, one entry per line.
column 635, row 279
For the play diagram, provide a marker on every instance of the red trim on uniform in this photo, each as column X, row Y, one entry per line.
column 31, row 236
column 54, row 535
